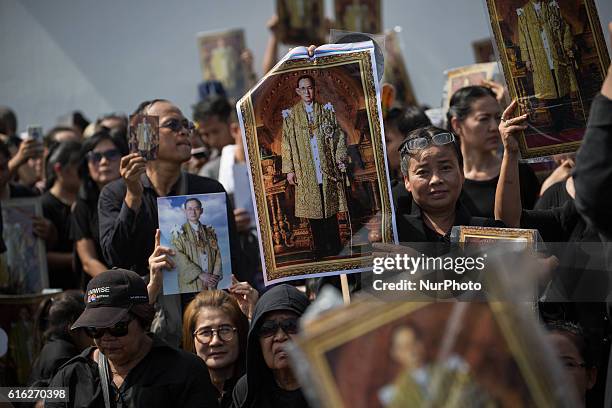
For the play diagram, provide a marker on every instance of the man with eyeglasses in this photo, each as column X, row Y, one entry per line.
column 314, row 153
column 128, row 367
column 269, row 381
column 128, row 207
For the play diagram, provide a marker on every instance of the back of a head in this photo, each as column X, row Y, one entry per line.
column 408, row 119
column 8, row 121
column 214, row 106
column 63, row 311
column 64, row 154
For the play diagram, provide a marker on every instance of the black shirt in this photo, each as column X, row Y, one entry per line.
column 554, row 196
column 165, row 377
column 478, row 196
column 85, row 226
column 402, row 199
column 59, row 214
column 54, row 354
column 127, row 237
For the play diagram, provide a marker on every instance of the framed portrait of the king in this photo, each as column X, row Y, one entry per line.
column 554, row 59
column 375, row 354
column 312, row 129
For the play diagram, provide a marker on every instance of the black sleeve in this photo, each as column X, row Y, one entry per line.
column 79, row 228
column 550, row 198
column 554, row 225
column 530, row 186
column 198, row 391
column 117, row 226
column 593, row 172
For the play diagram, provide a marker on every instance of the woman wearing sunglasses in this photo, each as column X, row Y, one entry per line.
column 216, row 330
column 100, row 158
column 432, row 166
column 473, row 116
column 269, row 380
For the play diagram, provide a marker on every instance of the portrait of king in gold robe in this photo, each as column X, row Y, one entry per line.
column 314, row 155
column 547, row 51
column 198, row 259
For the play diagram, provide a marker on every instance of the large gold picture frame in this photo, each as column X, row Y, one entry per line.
column 345, row 76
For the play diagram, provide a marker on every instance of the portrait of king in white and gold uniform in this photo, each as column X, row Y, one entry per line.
column 198, row 259
column 314, row 155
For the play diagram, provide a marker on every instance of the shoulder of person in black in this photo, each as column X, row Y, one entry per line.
column 275, row 398
column 59, row 214
column 56, row 351
column 554, row 196
column 17, row 190
column 134, row 243
column 478, row 196
column 402, row 199
column 165, row 377
column 559, row 224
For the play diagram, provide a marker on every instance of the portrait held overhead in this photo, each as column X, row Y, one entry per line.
column 306, row 203
column 314, row 140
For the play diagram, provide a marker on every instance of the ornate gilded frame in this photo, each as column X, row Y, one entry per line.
column 293, row 62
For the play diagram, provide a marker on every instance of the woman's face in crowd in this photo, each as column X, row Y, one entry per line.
column 121, row 350
column 435, row 178
column 273, row 347
column 103, row 169
column 584, row 378
column 173, row 146
column 218, row 353
column 479, row 130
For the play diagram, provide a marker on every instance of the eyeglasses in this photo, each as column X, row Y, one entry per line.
column 420, row 143
column 270, row 327
column 110, row 155
column 118, row 330
column 176, row 125
column 205, row 335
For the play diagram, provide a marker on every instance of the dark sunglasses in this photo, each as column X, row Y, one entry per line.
column 110, row 155
column 118, row 330
column 270, row 327
column 176, row 125
column 420, row 143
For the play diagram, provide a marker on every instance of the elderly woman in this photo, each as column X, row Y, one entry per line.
column 127, row 365
column 216, row 330
column 270, row 381
column 473, row 116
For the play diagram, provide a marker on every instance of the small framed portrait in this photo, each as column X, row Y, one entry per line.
column 196, row 227
column 24, row 265
column 363, row 16
column 313, row 133
column 300, row 22
column 375, row 354
column 143, row 135
column 395, row 72
column 554, row 59
column 220, row 60
column 491, row 235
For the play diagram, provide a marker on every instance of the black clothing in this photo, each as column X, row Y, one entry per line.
column 479, row 196
column 59, row 214
column 554, row 196
column 20, row 191
column 257, row 388
column 127, row 237
column 56, row 351
column 593, row 172
column 85, row 226
column 165, row 377
column 412, row 228
column 402, row 199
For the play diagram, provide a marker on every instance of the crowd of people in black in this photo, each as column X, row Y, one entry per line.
column 114, row 340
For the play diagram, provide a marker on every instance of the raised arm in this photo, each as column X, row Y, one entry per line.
column 508, row 194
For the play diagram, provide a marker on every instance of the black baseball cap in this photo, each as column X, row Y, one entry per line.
column 109, row 297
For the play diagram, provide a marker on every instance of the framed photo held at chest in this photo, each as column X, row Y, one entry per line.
column 196, row 228
column 554, row 59
column 312, row 128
